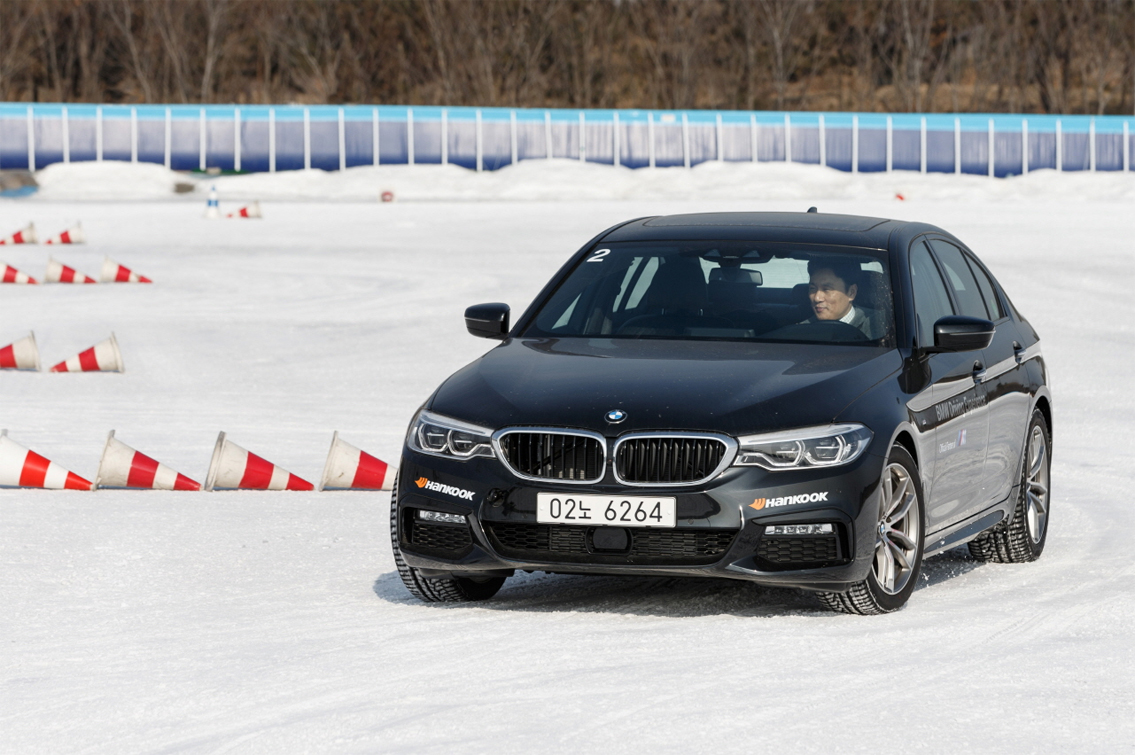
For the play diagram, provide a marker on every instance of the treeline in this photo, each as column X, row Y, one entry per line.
column 1046, row 56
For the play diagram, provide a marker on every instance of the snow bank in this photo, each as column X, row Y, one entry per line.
column 571, row 180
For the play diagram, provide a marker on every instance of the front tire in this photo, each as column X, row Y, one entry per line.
column 1022, row 538
column 899, row 542
column 449, row 589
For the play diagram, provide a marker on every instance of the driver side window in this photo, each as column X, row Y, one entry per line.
column 931, row 302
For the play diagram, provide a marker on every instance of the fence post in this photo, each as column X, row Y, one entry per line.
column 169, row 139
column 548, row 133
column 1059, row 147
column 890, row 145
column 582, row 138
column 1092, row 145
column 31, row 140
column 409, row 136
column 480, row 161
column 444, row 137
column 98, row 134
column 66, row 137
column 342, row 141
column 650, row 137
column 957, row 146
column 133, row 134
column 202, row 141
column 374, row 135
column 272, row 140
column 512, row 135
column 922, row 145
column 991, row 160
column 307, row 138
column 855, row 144
column 720, row 133
column 615, row 137
column 236, row 139
column 823, row 144
column 1126, row 149
column 787, row 138
column 753, row 141
column 1024, row 146
column 685, row 139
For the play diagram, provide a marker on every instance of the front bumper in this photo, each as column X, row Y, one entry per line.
column 723, row 527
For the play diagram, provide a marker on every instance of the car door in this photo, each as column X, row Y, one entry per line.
column 1005, row 383
column 957, row 417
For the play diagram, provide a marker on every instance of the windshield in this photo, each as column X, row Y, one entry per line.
column 724, row 291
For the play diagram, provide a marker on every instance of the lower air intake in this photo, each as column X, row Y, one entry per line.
column 542, row 542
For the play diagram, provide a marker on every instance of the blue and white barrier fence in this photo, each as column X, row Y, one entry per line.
column 267, row 138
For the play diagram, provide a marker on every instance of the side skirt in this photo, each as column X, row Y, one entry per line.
column 965, row 530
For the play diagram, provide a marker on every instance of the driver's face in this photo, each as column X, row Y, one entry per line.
column 831, row 299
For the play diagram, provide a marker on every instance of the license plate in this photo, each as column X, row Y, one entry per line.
column 605, row 510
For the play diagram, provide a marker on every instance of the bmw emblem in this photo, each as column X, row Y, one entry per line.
column 616, row 416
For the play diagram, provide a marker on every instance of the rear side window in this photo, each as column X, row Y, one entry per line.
column 961, row 280
column 988, row 292
column 931, row 302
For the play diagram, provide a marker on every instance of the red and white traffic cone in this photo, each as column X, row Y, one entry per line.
column 57, row 272
column 249, row 211
column 350, row 468
column 234, row 468
column 9, row 274
column 112, row 272
column 22, row 468
column 22, row 236
column 123, row 467
column 102, row 357
column 72, row 235
column 20, row 355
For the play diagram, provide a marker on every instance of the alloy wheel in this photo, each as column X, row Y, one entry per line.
column 1036, row 485
column 896, row 544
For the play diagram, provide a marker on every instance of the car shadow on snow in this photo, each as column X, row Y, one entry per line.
column 677, row 597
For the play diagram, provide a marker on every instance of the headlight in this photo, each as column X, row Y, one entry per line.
column 442, row 436
column 828, row 446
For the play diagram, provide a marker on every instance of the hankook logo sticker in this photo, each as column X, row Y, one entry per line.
column 437, row 487
column 788, row 500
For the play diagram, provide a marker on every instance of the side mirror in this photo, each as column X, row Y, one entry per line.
column 957, row 333
column 488, row 320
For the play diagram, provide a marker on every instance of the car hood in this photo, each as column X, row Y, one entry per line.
column 717, row 386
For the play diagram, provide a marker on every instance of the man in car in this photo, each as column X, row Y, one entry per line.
column 832, row 288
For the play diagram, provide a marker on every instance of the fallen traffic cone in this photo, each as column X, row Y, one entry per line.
column 21, row 468
column 102, row 357
column 212, row 208
column 12, row 275
column 70, row 236
column 251, row 211
column 57, row 272
column 350, row 468
column 22, row 236
column 20, row 355
column 234, row 468
column 123, row 467
column 112, row 272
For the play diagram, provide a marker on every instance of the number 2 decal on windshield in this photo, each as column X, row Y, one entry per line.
column 599, row 255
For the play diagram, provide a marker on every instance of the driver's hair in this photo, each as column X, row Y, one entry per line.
column 845, row 270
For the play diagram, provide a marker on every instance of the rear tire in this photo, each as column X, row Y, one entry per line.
column 1022, row 538
column 899, row 542
column 449, row 589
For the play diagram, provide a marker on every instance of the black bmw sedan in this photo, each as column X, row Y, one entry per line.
column 796, row 399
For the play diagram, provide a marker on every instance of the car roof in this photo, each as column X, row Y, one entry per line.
column 813, row 227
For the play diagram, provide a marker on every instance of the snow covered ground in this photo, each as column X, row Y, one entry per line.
column 155, row 622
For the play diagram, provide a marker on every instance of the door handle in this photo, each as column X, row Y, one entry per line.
column 978, row 372
column 1018, row 352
